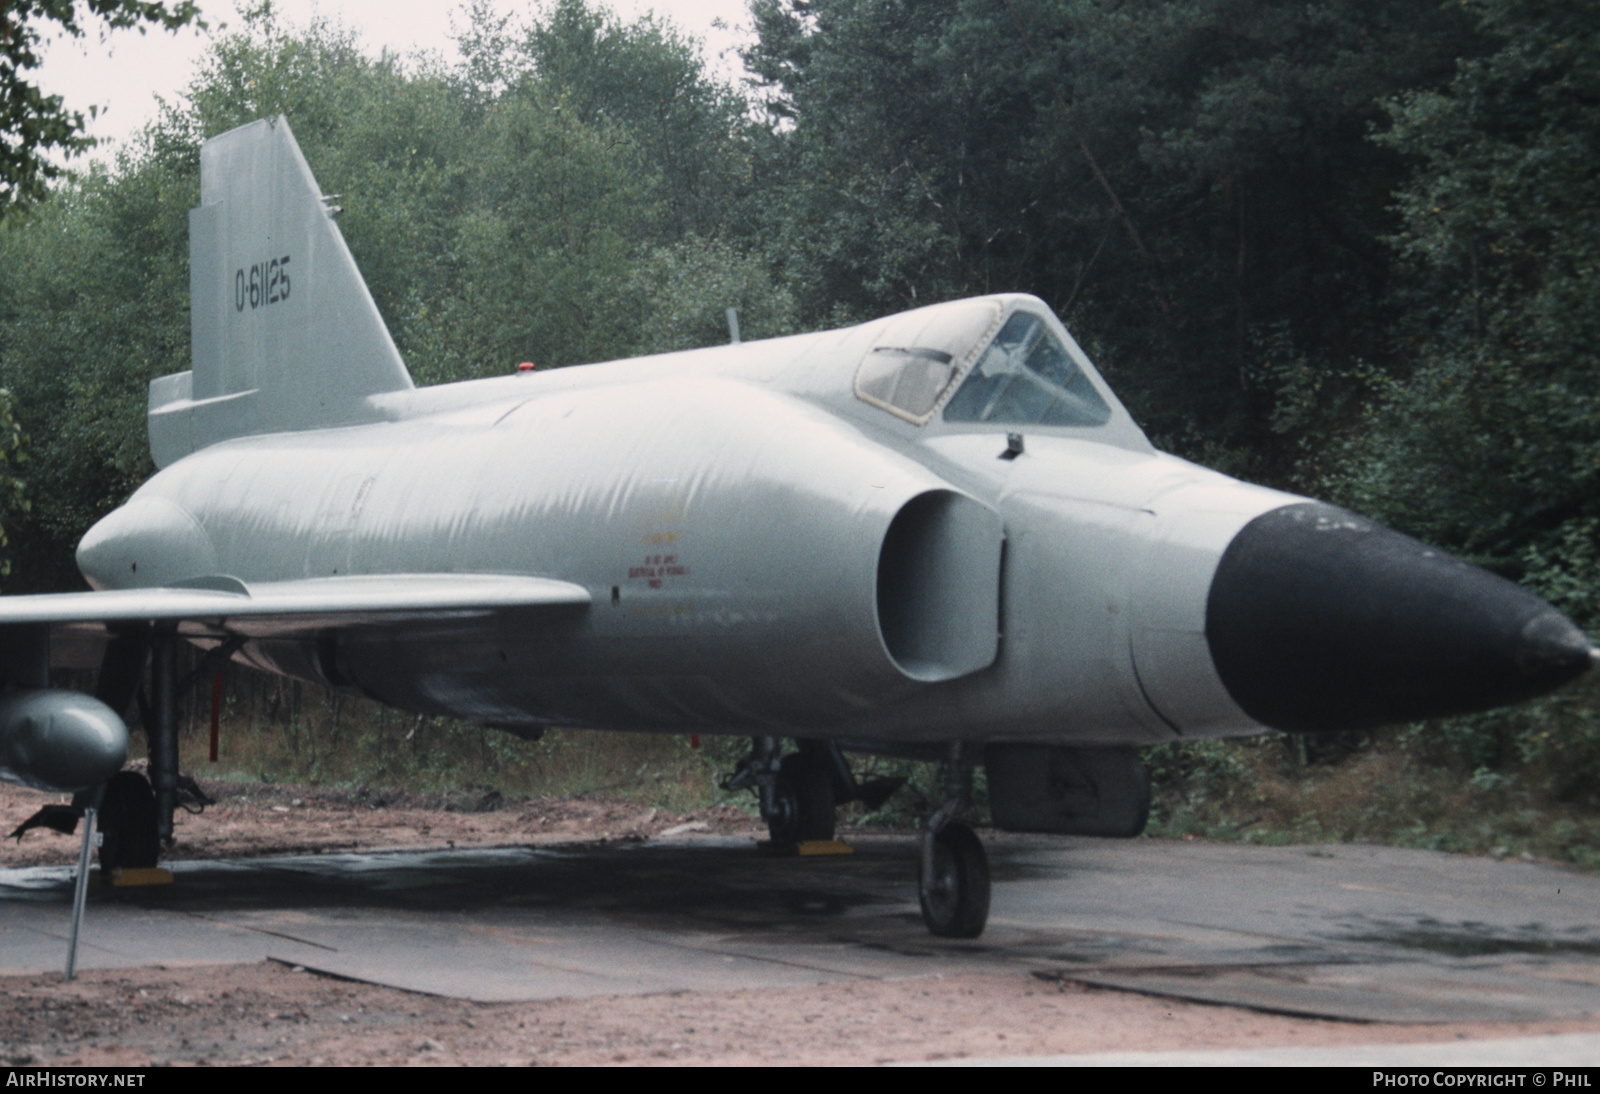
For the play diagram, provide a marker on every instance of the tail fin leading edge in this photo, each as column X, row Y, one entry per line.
column 285, row 334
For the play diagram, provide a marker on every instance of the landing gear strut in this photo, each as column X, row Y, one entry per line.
column 953, row 882
column 136, row 812
column 163, row 728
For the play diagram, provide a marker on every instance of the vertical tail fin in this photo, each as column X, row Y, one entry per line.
column 285, row 334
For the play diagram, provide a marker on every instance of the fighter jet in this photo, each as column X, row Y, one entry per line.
column 937, row 534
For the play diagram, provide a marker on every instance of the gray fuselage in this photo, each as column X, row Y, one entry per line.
column 728, row 510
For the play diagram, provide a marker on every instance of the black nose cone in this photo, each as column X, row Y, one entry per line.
column 1320, row 620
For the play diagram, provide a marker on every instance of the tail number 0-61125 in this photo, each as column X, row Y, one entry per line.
column 262, row 284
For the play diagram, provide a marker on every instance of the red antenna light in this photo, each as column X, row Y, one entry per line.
column 526, row 366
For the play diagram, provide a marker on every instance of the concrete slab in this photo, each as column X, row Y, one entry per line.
column 1363, row 933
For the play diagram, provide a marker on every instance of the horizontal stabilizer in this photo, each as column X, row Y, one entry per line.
column 285, row 608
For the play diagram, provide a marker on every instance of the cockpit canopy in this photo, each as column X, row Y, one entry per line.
column 960, row 356
column 1026, row 377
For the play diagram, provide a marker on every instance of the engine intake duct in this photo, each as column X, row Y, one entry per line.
column 939, row 586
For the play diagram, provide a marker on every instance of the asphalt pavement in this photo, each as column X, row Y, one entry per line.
column 1374, row 934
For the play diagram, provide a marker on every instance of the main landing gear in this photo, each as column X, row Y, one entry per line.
column 130, row 838
column 800, row 792
column 797, row 793
column 800, row 807
column 136, row 812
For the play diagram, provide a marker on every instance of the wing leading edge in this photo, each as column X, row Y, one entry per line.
column 288, row 608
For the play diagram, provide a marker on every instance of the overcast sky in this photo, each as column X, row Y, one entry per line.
column 124, row 73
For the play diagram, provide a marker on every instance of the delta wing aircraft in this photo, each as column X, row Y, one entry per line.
column 937, row 534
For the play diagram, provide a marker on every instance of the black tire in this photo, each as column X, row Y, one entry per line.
column 956, row 905
column 802, row 807
column 128, row 823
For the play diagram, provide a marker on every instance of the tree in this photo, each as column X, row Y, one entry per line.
column 33, row 124
column 495, row 222
column 1189, row 182
column 1491, row 446
column 1488, row 442
column 647, row 79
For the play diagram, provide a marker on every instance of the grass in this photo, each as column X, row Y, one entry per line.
column 1400, row 788
column 280, row 731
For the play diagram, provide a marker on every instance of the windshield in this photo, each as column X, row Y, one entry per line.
column 1026, row 377
column 917, row 355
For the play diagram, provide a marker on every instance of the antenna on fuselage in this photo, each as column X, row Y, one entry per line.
column 733, row 325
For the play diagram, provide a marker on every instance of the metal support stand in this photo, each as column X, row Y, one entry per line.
column 80, row 892
column 164, row 730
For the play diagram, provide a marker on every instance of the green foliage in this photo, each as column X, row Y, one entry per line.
column 33, row 124
column 514, row 208
column 682, row 292
column 540, row 247
column 689, row 131
column 1415, row 787
column 1190, row 184
column 13, row 491
column 1202, row 788
column 535, row 216
column 275, row 730
column 93, row 304
column 1491, row 446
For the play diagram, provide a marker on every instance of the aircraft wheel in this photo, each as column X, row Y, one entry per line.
column 128, row 823
column 955, row 900
column 802, row 806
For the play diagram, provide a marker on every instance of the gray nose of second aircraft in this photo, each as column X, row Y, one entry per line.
column 1318, row 619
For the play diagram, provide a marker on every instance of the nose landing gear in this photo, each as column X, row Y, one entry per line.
column 953, row 882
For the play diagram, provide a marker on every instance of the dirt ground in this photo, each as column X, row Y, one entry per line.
column 284, row 819
column 272, row 1014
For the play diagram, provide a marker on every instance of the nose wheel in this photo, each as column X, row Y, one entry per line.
column 953, row 881
column 955, row 887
